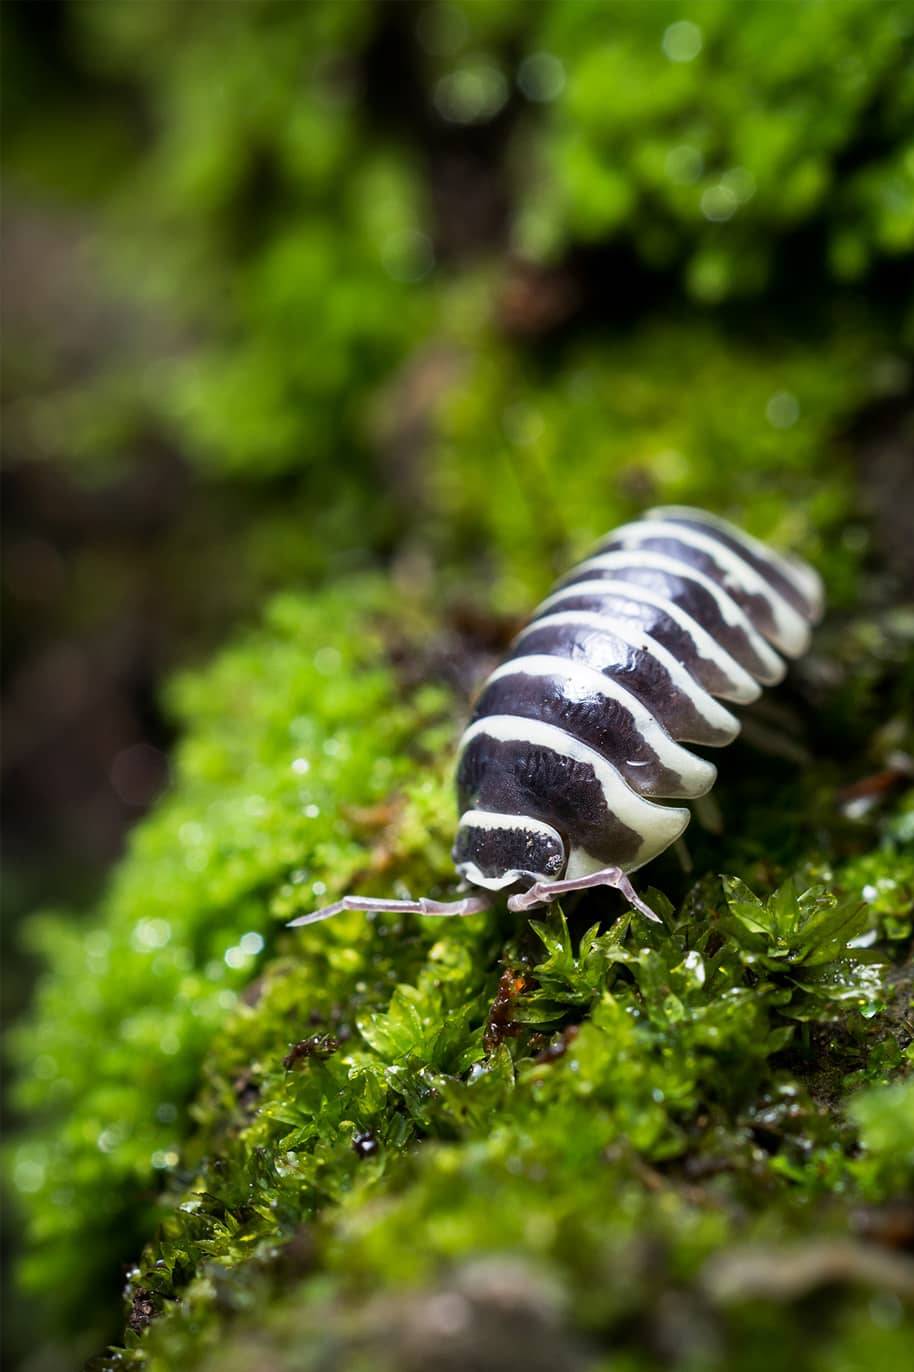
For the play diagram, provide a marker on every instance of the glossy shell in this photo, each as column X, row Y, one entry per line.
column 579, row 733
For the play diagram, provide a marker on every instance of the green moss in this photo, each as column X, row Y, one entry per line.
column 538, row 456
column 581, row 1127
column 722, row 135
column 668, row 1057
column 885, row 1118
column 309, row 765
column 734, row 149
column 280, row 760
column 618, row 1053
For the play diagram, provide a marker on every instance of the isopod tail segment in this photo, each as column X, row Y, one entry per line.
column 539, row 894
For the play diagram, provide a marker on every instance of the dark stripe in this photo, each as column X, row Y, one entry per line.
column 653, row 621
column 765, row 566
column 636, row 670
column 522, row 778
column 601, row 722
column 696, row 600
column 756, row 607
column 497, row 851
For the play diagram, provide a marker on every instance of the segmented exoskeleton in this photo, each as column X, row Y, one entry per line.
column 579, row 733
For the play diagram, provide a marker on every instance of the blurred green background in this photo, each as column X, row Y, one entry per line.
column 300, row 292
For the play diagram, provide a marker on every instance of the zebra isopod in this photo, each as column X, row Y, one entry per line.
column 577, row 738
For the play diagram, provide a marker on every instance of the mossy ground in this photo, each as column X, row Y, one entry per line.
column 572, row 1142
column 382, row 1105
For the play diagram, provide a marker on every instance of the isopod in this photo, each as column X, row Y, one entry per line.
column 576, row 739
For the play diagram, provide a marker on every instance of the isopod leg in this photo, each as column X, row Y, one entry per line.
column 544, row 892
column 470, row 905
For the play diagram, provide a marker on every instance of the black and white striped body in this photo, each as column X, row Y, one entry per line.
column 579, row 733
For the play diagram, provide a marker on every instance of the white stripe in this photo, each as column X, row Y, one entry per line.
column 697, row 775
column 791, row 630
column 807, row 580
column 717, row 717
column 741, row 687
column 772, row 668
column 804, row 579
column 485, row 819
column 493, row 819
column 477, row 877
column 656, row 825
column 583, row 864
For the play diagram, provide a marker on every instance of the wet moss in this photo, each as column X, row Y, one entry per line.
column 416, row 1098
column 675, row 1133
column 266, row 814
column 576, row 1141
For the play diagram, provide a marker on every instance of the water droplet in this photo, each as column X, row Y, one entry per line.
column 782, row 410
column 541, row 77
column 741, row 182
column 471, row 94
column 682, row 41
column 328, row 661
column 150, row 933
column 718, row 203
column 28, row 1175
column 408, row 256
